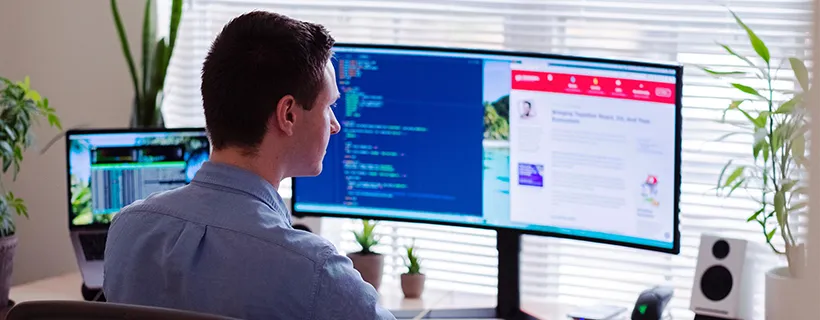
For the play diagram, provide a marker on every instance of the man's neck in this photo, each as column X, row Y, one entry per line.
column 261, row 166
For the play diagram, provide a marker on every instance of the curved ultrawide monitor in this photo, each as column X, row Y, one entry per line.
column 551, row 145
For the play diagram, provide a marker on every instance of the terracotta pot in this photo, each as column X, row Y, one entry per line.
column 8, row 246
column 370, row 266
column 412, row 285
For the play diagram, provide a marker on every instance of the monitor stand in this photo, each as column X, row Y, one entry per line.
column 508, row 305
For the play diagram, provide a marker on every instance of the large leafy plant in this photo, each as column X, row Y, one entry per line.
column 366, row 238
column 156, row 55
column 776, row 178
column 20, row 108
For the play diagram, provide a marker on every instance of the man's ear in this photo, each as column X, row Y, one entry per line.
column 285, row 114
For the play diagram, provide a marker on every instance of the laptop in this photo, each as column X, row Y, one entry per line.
column 108, row 169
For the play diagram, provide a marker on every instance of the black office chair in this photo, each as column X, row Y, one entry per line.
column 77, row 310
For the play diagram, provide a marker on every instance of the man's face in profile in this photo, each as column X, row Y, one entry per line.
column 317, row 125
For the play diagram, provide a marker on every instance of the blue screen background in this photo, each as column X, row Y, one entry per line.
column 410, row 142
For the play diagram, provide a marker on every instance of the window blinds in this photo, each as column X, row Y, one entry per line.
column 568, row 271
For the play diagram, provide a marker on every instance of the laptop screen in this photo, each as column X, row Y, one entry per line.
column 108, row 170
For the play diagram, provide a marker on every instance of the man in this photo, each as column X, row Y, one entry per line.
column 224, row 244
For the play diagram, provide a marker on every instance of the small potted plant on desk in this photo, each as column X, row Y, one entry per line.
column 370, row 264
column 412, row 282
column 20, row 107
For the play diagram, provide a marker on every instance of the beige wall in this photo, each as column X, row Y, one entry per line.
column 71, row 52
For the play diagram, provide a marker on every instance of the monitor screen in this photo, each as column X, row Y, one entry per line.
column 108, row 170
column 572, row 147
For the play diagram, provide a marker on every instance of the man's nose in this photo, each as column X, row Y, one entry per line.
column 335, row 127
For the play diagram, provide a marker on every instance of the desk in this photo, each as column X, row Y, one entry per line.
column 67, row 287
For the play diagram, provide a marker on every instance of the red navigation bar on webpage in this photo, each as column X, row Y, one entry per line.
column 660, row 92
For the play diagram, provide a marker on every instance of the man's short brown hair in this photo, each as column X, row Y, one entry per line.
column 258, row 58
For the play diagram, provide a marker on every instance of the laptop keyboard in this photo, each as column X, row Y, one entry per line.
column 93, row 245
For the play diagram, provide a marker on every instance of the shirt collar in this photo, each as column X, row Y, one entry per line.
column 242, row 180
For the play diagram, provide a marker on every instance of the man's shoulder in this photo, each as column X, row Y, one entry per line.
column 160, row 201
column 263, row 227
column 198, row 204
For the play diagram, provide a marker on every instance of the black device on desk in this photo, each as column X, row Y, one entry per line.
column 521, row 143
column 652, row 302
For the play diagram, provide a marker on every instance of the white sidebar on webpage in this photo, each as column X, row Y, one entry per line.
column 593, row 150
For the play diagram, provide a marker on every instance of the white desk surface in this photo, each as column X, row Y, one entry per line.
column 67, row 287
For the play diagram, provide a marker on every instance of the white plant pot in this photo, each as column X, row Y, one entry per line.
column 781, row 294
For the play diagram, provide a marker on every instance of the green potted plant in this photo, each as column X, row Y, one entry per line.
column 412, row 281
column 776, row 178
column 20, row 107
column 369, row 263
column 156, row 55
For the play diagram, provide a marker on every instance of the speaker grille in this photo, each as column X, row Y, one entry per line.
column 720, row 249
column 716, row 283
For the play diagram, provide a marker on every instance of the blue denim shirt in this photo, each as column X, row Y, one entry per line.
column 224, row 245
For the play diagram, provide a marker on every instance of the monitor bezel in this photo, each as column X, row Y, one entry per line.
column 82, row 131
column 678, row 68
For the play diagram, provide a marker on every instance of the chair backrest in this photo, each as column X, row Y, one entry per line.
column 76, row 310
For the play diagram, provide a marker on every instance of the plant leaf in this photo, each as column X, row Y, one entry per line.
column 748, row 89
column 762, row 119
column 734, row 105
column 722, row 73
column 777, row 137
column 734, row 175
column 755, row 215
column 148, row 41
column 176, row 17
column 10, row 132
column 798, row 146
column 800, row 72
column 788, row 185
column 759, row 146
column 722, row 172
column 126, row 49
column 54, row 121
column 770, row 235
column 757, row 44
column 732, row 52
column 6, row 148
column 748, row 117
column 788, row 106
column 780, row 207
column 799, row 205
column 735, row 186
